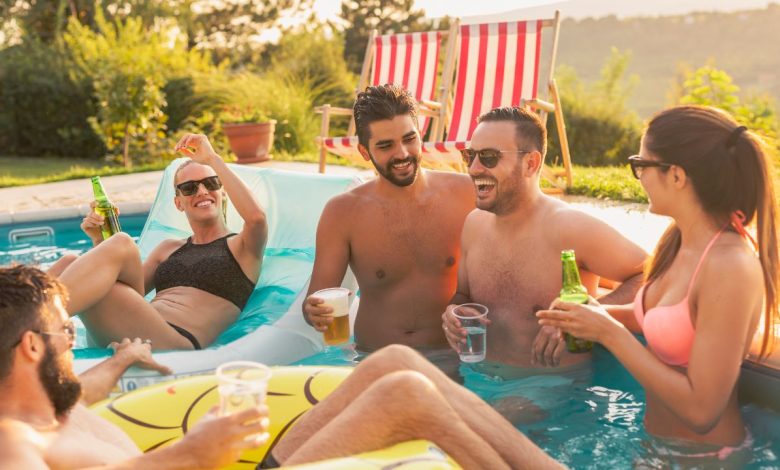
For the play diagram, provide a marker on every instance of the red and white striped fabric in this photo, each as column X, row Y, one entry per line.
column 345, row 147
column 498, row 65
column 409, row 60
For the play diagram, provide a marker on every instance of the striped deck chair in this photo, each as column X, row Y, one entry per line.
column 498, row 65
column 410, row 60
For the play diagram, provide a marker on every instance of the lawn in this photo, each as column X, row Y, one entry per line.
column 609, row 183
column 22, row 171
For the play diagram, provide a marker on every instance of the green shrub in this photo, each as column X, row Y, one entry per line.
column 43, row 111
column 311, row 57
column 600, row 128
column 128, row 66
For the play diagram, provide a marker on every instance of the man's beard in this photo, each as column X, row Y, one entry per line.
column 506, row 200
column 387, row 171
column 62, row 385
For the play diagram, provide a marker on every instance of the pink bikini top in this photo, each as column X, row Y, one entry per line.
column 668, row 328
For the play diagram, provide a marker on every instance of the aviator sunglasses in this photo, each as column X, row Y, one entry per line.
column 188, row 188
column 637, row 164
column 68, row 331
column 487, row 157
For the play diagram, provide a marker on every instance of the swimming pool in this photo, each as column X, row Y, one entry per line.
column 598, row 425
column 44, row 242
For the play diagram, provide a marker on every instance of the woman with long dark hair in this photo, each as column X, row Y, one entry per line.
column 708, row 286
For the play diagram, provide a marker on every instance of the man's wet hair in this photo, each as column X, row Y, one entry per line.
column 529, row 128
column 379, row 103
column 25, row 293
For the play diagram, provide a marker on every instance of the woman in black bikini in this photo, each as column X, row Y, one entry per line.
column 202, row 282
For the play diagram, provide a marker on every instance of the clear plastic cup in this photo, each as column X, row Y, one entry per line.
column 472, row 317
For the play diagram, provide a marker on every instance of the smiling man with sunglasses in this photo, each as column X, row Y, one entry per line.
column 511, row 247
column 202, row 282
column 400, row 232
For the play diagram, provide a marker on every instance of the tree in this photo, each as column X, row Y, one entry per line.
column 315, row 56
column 710, row 86
column 126, row 67
column 386, row 16
column 228, row 28
column 600, row 128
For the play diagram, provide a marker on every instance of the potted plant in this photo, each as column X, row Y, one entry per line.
column 249, row 132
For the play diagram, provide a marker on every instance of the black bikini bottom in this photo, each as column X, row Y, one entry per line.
column 190, row 337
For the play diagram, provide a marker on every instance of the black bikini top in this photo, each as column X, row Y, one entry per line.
column 210, row 267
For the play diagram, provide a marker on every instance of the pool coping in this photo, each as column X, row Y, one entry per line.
column 39, row 215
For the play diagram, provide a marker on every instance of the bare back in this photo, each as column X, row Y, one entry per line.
column 404, row 253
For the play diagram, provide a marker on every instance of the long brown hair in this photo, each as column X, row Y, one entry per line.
column 730, row 171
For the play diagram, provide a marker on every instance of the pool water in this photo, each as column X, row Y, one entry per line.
column 598, row 424
column 42, row 243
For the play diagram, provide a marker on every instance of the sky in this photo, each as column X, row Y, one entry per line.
column 329, row 9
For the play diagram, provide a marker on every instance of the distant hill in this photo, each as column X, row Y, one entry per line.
column 746, row 44
column 627, row 8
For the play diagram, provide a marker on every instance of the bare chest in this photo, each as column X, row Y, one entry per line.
column 74, row 448
column 514, row 277
column 389, row 244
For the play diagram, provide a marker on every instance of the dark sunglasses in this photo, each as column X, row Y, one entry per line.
column 637, row 164
column 487, row 157
column 188, row 188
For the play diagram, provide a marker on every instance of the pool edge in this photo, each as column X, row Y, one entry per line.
column 10, row 218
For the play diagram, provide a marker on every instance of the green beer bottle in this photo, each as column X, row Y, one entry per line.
column 574, row 292
column 105, row 208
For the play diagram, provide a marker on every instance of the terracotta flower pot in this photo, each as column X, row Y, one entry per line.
column 251, row 142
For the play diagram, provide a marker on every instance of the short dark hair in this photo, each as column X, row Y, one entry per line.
column 527, row 124
column 24, row 293
column 379, row 103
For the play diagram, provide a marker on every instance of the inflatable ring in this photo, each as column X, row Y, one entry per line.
column 160, row 414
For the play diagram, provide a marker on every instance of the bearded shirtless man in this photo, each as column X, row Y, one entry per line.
column 399, row 232
column 511, row 247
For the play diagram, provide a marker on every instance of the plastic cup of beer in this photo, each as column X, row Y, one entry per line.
column 336, row 298
column 242, row 385
column 472, row 318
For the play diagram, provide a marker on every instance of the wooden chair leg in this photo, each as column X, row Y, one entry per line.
column 324, row 128
column 561, row 125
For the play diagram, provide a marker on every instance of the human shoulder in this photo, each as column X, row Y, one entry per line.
column 476, row 222
column 20, row 445
column 348, row 200
column 166, row 247
column 342, row 208
column 734, row 259
column 449, row 178
column 570, row 221
column 452, row 183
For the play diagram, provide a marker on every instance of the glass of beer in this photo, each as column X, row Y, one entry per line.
column 336, row 298
column 472, row 318
column 242, row 385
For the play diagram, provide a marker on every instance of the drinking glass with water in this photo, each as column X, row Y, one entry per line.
column 472, row 319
